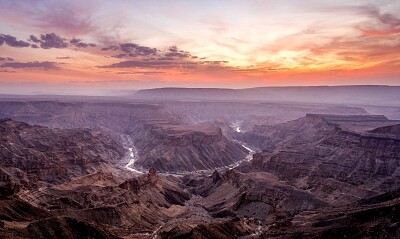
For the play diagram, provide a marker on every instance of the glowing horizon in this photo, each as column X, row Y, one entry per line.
column 57, row 46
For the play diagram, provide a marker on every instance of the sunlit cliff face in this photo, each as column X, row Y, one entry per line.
column 139, row 44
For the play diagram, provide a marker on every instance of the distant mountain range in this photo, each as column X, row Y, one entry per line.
column 355, row 94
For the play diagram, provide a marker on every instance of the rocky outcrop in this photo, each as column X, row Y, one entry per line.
column 177, row 147
column 29, row 154
column 331, row 157
column 14, row 209
column 172, row 194
column 376, row 217
column 66, row 208
column 234, row 228
column 251, row 195
column 66, row 228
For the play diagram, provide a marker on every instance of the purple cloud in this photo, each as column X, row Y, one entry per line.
column 132, row 49
column 137, row 50
column 78, row 43
column 110, row 48
column 34, row 39
column 122, row 55
column 52, row 40
column 45, row 65
column 12, row 41
column 6, row 59
column 152, row 58
column 155, row 64
column 177, row 54
column 166, row 59
column 140, row 72
column 138, row 64
column 173, row 49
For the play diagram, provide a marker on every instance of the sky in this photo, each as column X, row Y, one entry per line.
column 102, row 46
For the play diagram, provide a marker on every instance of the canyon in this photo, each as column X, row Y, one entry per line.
column 193, row 168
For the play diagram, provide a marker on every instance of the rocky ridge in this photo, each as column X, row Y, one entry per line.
column 318, row 154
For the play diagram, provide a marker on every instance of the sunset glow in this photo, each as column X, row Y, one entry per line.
column 101, row 46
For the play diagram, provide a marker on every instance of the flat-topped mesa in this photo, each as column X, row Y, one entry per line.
column 354, row 118
column 184, row 135
column 353, row 123
column 172, row 147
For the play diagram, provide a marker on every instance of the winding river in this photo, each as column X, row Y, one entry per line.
column 132, row 159
column 133, row 156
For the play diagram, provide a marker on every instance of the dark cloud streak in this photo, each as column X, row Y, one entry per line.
column 6, row 59
column 151, row 64
column 44, row 65
column 78, row 43
column 7, row 71
column 140, row 73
